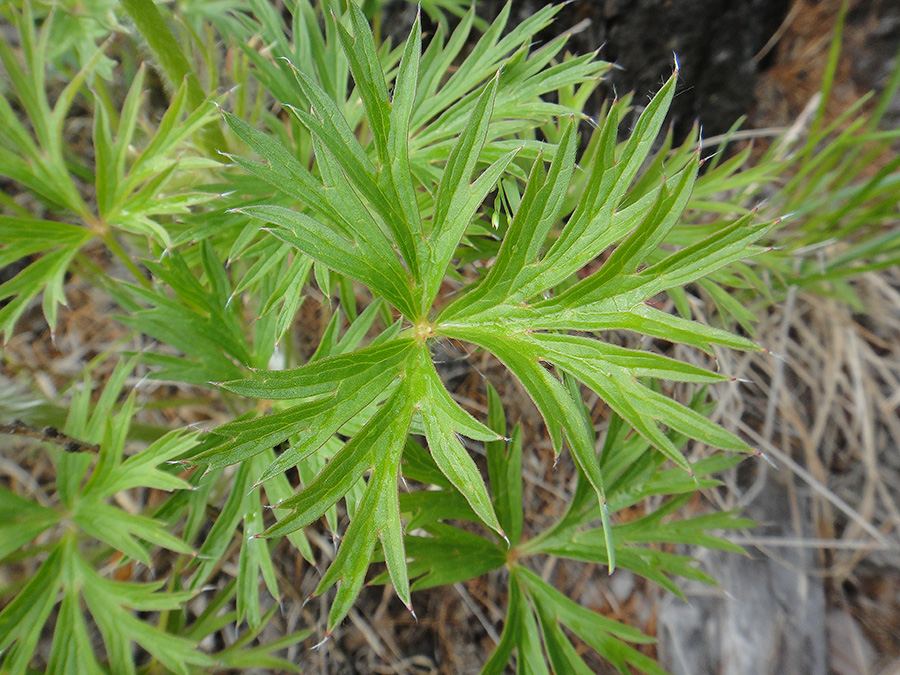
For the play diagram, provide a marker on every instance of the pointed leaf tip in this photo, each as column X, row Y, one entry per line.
column 767, row 459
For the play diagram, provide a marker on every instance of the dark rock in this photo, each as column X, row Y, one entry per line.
column 716, row 42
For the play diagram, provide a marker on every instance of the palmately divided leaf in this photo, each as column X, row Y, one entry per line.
column 497, row 316
column 601, row 633
column 402, row 105
column 347, row 466
column 325, row 122
column 455, row 463
column 456, row 200
column 560, row 411
column 350, row 257
column 378, row 514
column 349, row 383
column 634, row 402
column 323, row 376
column 58, row 243
column 537, row 213
column 397, row 187
column 368, row 76
column 23, row 619
column 142, row 469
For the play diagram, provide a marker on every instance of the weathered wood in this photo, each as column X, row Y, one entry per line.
column 767, row 617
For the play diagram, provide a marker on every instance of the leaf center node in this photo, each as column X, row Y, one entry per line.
column 423, row 331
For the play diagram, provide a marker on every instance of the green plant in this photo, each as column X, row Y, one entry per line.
column 831, row 183
column 838, row 185
column 426, row 196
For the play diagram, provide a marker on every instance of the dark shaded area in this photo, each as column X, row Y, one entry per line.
column 717, row 43
column 872, row 62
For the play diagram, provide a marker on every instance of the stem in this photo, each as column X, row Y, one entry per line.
column 120, row 253
column 174, row 64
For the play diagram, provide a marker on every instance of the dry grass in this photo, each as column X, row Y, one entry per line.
column 826, row 412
